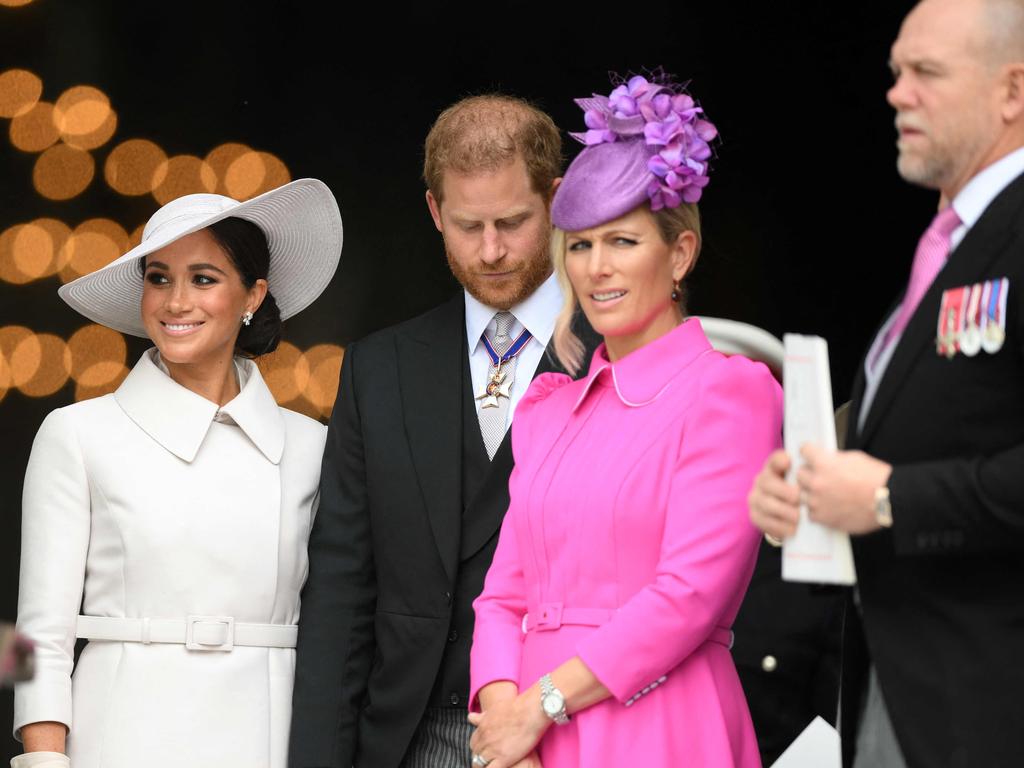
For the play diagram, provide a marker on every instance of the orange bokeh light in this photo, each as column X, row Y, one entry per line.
column 19, row 92
column 184, row 175
column 253, row 173
column 80, row 110
column 135, row 167
column 51, row 370
column 136, row 236
column 84, row 118
column 63, row 172
column 93, row 244
column 97, row 354
column 285, row 371
column 32, row 251
column 220, row 159
column 11, row 339
column 324, row 361
column 33, row 130
column 37, row 363
column 5, row 375
column 15, row 3
column 97, row 138
column 306, row 382
column 108, row 376
column 26, row 357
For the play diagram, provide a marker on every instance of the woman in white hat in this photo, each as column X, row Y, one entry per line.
column 167, row 523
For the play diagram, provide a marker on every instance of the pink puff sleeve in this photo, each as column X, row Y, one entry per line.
column 709, row 545
column 500, row 608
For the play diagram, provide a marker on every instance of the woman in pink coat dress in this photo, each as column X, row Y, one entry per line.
column 603, row 632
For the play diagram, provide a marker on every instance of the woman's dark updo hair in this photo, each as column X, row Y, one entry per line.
column 246, row 246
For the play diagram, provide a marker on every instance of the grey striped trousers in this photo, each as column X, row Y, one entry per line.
column 441, row 740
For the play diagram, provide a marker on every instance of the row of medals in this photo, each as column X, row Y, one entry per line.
column 973, row 318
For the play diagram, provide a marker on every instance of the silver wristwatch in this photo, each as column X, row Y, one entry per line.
column 552, row 701
column 883, row 508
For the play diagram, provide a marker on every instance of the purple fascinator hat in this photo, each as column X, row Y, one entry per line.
column 647, row 140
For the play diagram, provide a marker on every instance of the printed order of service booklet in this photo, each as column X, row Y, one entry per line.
column 814, row 553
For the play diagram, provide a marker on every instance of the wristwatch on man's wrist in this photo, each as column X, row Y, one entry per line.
column 883, row 509
column 552, row 701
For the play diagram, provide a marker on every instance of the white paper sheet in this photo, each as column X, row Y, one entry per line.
column 815, row 553
column 816, row 747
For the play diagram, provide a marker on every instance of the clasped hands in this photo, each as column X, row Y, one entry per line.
column 510, row 727
column 837, row 487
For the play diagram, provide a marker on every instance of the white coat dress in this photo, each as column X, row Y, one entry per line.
column 153, row 503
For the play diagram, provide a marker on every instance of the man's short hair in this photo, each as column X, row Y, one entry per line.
column 1004, row 43
column 484, row 133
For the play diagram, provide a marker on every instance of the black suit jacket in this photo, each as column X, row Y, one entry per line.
column 942, row 592
column 388, row 544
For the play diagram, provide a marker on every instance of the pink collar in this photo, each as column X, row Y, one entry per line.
column 644, row 375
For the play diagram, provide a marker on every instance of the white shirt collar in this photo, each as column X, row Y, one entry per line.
column 179, row 419
column 980, row 191
column 537, row 313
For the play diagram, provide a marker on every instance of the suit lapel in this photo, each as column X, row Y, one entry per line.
column 430, row 368
column 860, row 385
column 967, row 264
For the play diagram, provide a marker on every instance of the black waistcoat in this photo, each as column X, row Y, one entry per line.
column 451, row 687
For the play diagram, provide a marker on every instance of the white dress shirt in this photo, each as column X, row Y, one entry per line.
column 537, row 313
column 970, row 204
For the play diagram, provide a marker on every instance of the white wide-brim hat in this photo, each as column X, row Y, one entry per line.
column 300, row 219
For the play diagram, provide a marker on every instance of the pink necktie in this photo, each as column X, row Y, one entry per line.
column 931, row 255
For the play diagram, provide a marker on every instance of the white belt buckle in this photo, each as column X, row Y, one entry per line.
column 201, row 636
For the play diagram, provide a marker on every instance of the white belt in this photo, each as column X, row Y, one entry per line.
column 197, row 633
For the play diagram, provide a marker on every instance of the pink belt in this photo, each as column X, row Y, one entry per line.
column 551, row 616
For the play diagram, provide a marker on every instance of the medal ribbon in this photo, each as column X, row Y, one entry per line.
column 940, row 330
column 951, row 320
column 997, row 302
column 974, row 304
column 986, row 295
column 512, row 351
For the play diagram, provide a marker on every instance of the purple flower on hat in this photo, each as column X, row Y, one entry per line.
column 625, row 101
column 597, row 124
column 672, row 126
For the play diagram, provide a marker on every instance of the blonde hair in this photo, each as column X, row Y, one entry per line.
column 485, row 133
column 671, row 223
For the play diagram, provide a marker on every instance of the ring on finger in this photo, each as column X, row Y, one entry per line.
column 480, row 760
column 772, row 540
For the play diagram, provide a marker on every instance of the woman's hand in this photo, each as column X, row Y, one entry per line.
column 509, row 729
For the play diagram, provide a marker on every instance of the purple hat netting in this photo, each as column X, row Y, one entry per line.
column 671, row 125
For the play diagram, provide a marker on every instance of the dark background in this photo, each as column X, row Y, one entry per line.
column 807, row 226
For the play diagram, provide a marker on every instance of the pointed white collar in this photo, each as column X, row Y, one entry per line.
column 179, row 419
column 537, row 313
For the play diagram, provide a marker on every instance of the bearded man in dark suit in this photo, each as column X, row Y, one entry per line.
column 932, row 483
column 415, row 474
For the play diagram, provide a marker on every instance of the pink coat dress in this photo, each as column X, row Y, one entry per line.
column 627, row 542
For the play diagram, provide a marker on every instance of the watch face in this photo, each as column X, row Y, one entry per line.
column 553, row 703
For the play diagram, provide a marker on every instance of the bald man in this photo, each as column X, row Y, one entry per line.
column 932, row 485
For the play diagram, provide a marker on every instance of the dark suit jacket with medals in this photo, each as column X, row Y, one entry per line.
column 410, row 510
column 942, row 592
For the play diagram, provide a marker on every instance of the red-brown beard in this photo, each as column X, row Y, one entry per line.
column 505, row 293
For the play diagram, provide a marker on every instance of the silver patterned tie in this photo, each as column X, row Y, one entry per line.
column 494, row 411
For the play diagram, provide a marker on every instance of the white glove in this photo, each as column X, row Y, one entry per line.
column 41, row 760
